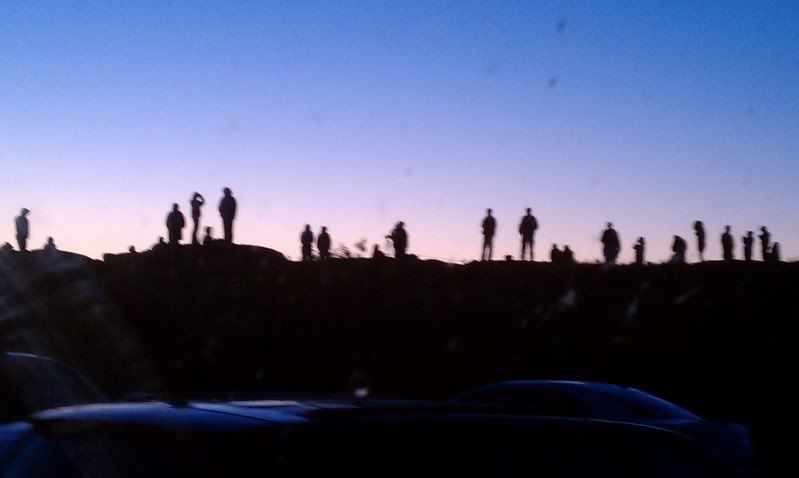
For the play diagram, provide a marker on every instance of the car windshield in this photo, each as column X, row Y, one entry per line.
column 645, row 406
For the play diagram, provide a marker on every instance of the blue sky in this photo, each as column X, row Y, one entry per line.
column 357, row 114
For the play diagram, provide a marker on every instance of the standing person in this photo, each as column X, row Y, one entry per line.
column 197, row 202
column 765, row 242
column 699, row 230
column 639, row 248
column 555, row 254
column 306, row 241
column 175, row 222
column 727, row 244
column 527, row 229
column 611, row 245
column 775, row 252
column 23, row 229
column 749, row 241
column 227, row 209
column 489, row 228
column 209, row 236
column 679, row 247
column 323, row 243
column 567, row 256
column 400, row 239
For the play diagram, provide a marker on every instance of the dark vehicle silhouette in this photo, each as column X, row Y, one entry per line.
column 730, row 442
column 282, row 438
column 31, row 383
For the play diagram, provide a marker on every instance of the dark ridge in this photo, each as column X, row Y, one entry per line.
column 718, row 338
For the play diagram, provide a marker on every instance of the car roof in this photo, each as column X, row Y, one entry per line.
column 260, row 413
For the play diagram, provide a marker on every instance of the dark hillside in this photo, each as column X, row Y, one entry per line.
column 718, row 338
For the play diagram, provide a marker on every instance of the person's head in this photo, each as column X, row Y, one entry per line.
column 175, row 207
column 698, row 225
column 227, row 191
column 400, row 225
column 24, row 212
column 554, row 246
column 727, row 229
column 324, row 228
column 208, row 230
column 610, row 225
column 640, row 240
column 529, row 211
column 50, row 241
column 763, row 228
column 489, row 211
column 132, row 249
column 160, row 239
column 307, row 227
column 567, row 248
column 749, row 233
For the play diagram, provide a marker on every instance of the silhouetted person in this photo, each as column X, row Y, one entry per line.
column 209, row 236
column 227, row 209
column 611, row 245
column 555, row 254
column 132, row 250
column 399, row 237
column 160, row 245
column 775, row 253
column 749, row 242
column 640, row 250
column 489, row 228
column 377, row 253
column 567, row 256
column 197, row 202
column 765, row 242
column 727, row 244
column 323, row 243
column 50, row 245
column 6, row 248
column 527, row 229
column 306, row 241
column 23, row 229
column 699, row 230
column 679, row 247
column 175, row 222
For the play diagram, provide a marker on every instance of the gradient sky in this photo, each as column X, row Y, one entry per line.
column 356, row 114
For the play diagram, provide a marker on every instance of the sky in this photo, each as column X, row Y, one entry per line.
column 358, row 114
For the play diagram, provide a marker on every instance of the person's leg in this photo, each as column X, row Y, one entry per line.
column 228, row 226
column 532, row 250
column 194, row 239
column 490, row 248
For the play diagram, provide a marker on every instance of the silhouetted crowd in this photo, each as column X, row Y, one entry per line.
column 528, row 226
